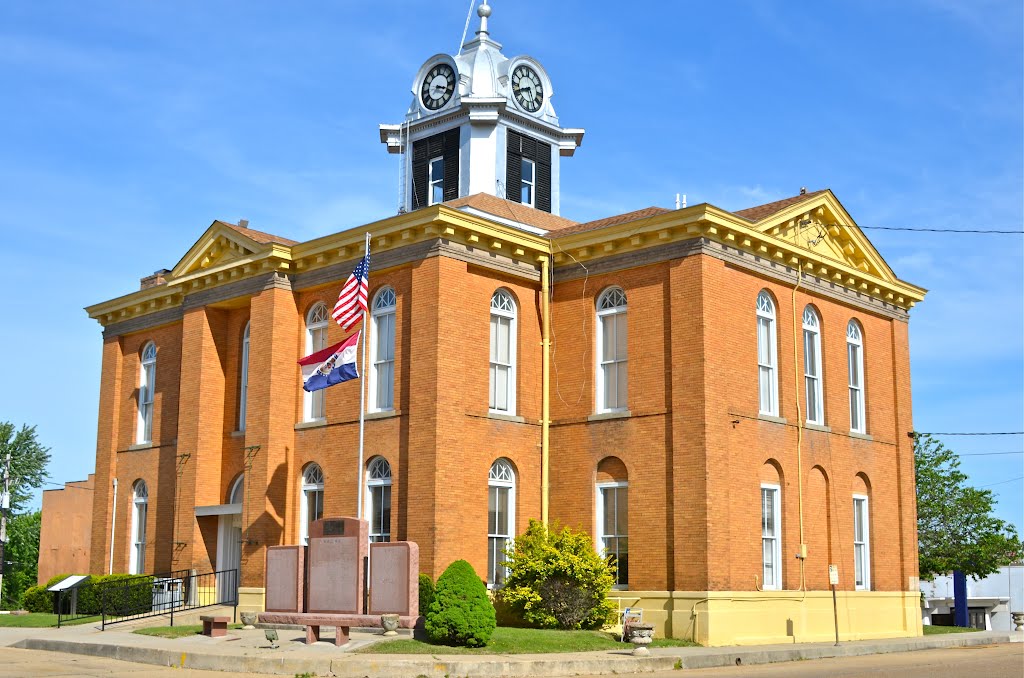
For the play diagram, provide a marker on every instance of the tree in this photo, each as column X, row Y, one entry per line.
column 28, row 472
column 955, row 526
column 22, row 554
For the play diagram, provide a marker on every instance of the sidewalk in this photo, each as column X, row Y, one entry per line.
column 249, row 651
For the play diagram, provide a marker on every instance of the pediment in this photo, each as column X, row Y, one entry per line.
column 219, row 245
column 821, row 225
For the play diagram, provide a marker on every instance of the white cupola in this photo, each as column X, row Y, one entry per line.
column 481, row 122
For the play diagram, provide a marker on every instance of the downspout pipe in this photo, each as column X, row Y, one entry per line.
column 545, row 312
column 113, row 521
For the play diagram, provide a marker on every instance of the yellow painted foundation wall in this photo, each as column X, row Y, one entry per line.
column 717, row 618
column 251, row 599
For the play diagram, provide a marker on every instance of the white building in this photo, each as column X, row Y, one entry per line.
column 989, row 601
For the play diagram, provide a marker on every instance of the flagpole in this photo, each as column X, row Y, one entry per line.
column 362, row 408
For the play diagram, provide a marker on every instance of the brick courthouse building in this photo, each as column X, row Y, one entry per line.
column 721, row 398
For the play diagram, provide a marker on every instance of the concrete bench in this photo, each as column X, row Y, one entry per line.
column 215, row 627
column 341, row 623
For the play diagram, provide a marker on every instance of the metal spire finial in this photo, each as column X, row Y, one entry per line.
column 483, row 11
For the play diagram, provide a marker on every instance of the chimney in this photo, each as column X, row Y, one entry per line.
column 158, row 278
column 244, row 223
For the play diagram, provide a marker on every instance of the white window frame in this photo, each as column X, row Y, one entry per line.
column 378, row 477
column 767, row 357
column 382, row 368
column 432, row 181
column 610, row 304
column 147, row 391
column 503, row 310
column 774, row 540
column 502, row 475
column 140, row 515
column 531, row 185
column 855, row 369
column 314, row 405
column 813, row 378
column 602, row 529
column 862, row 547
column 237, row 490
column 311, row 483
column 243, row 380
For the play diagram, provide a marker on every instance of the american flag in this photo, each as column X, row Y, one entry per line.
column 352, row 300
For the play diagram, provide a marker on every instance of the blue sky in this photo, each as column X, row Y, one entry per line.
column 127, row 127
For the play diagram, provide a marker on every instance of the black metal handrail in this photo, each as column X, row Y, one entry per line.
column 149, row 596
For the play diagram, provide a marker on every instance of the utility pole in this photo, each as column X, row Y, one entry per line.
column 5, row 508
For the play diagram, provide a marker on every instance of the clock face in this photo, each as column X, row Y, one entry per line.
column 438, row 87
column 527, row 88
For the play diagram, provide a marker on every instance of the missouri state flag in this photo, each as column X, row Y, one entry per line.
column 331, row 365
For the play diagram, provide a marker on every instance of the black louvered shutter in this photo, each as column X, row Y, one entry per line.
column 513, row 168
column 450, row 151
column 543, row 177
column 420, row 162
column 519, row 147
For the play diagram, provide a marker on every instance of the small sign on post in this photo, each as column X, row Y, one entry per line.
column 833, row 579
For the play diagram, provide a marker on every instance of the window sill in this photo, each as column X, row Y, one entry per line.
column 382, row 414
column 615, row 414
column 860, row 436
column 238, row 434
column 314, row 423
column 772, row 418
column 817, row 427
column 141, row 446
column 506, row 417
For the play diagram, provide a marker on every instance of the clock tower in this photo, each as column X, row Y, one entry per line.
column 481, row 122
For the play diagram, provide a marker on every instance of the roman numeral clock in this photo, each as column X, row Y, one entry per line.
column 527, row 88
column 438, row 86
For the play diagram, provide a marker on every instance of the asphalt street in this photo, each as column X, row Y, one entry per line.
column 991, row 661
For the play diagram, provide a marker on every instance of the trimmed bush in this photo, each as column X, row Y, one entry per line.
column 557, row 580
column 461, row 613
column 37, row 599
column 426, row 593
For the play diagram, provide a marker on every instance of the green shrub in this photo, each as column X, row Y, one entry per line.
column 461, row 613
column 426, row 593
column 557, row 580
column 37, row 599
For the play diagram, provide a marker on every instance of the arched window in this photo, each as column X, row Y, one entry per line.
column 767, row 356
column 501, row 514
column 613, row 516
column 237, row 492
column 378, row 495
column 140, row 504
column 316, row 340
column 147, row 388
column 382, row 349
column 243, row 381
column 612, row 375
column 812, row 367
column 502, row 397
column 855, row 365
column 311, row 504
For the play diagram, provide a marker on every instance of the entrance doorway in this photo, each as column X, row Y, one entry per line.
column 229, row 557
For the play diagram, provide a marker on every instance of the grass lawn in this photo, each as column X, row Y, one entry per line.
column 177, row 631
column 939, row 630
column 40, row 620
column 508, row 640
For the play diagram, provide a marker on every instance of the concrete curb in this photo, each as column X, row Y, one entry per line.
column 351, row 665
column 737, row 656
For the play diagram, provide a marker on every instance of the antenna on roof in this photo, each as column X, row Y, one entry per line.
column 803, row 190
column 680, row 204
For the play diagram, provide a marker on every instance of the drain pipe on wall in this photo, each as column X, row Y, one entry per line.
column 545, row 312
column 113, row 518
column 802, row 555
